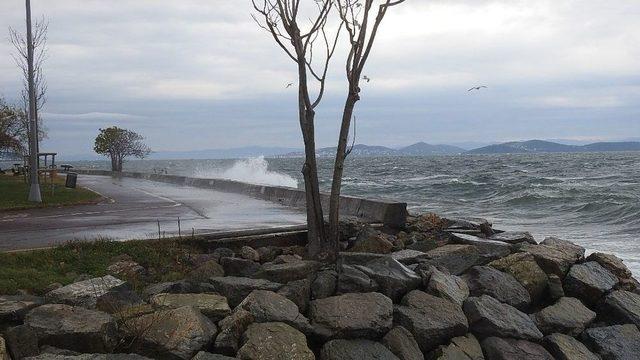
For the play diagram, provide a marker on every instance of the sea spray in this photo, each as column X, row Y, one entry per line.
column 250, row 170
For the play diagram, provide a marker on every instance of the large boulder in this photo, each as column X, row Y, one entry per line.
column 489, row 249
column 324, row 284
column 550, row 259
column 286, row 272
column 393, row 279
column 409, row 256
column 496, row 348
column 622, row 307
column 431, row 320
column 524, row 268
column 358, row 349
column 267, row 306
column 567, row 247
column 372, row 241
column 299, row 292
column 618, row 342
column 205, row 271
column 85, row 293
column 213, row 306
column 4, row 352
column 589, row 282
column 402, row 343
column 89, row 357
column 455, row 258
column 364, row 315
column 469, row 345
column 231, row 329
column 208, row 356
column 449, row 287
column 353, row 280
column 14, row 308
column 612, row 263
column 274, row 341
column 239, row 267
column 514, row 237
column 565, row 347
column 358, row 258
column 489, row 317
column 176, row 333
column 567, row 316
column 235, row 289
column 170, row 287
column 73, row 328
column 22, row 341
column 485, row 280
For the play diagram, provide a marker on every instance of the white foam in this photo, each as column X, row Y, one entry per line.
column 250, row 170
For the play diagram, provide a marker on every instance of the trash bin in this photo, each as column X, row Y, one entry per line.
column 72, row 178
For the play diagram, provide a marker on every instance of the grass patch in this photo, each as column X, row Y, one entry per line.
column 165, row 260
column 14, row 192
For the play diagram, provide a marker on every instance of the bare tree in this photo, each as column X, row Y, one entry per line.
column 361, row 19
column 284, row 19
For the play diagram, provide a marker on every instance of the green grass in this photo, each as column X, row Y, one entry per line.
column 14, row 192
column 165, row 260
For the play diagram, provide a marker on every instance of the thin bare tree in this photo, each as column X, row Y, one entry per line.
column 361, row 19
column 299, row 27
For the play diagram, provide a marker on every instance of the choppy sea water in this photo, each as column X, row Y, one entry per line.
column 592, row 199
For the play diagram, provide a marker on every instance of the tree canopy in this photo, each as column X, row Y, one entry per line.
column 119, row 144
column 14, row 130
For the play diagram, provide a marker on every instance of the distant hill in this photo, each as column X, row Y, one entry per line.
column 233, row 153
column 423, row 148
column 540, row 146
column 418, row 149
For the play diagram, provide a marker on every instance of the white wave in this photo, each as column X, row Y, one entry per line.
column 251, row 170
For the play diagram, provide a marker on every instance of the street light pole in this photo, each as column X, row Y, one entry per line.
column 34, row 189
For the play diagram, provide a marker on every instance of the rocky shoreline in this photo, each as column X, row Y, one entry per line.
column 434, row 289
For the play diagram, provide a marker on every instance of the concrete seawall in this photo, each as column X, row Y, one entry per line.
column 374, row 210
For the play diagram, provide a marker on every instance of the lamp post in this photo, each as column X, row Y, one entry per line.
column 34, row 188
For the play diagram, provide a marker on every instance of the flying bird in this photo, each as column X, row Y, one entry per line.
column 477, row 88
column 366, row 78
column 289, row 85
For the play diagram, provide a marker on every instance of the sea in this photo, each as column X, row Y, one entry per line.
column 592, row 199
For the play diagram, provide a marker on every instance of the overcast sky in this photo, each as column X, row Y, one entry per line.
column 194, row 75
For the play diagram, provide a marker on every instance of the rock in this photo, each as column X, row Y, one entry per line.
column 127, row 269
column 299, row 292
column 622, row 307
column 268, row 253
column 21, row 341
column 85, row 293
column 239, row 267
column 555, row 287
column 402, row 344
column 612, row 263
column 408, row 256
column 118, row 299
column 469, row 345
column 455, row 258
column 287, row 259
column 267, row 306
column 496, row 348
column 567, row 316
column 489, row 249
column 89, row 357
column 176, row 333
column 324, row 284
column 48, row 349
column 222, row 252
column 343, row 316
column 208, row 356
column 73, row 328
column 249, row 253
column 175, row 287
column 423, row 245
column 283, row 273
column 354, row 258
column 514, row 237
column 430, row 328
column 489, row 317
column 523, row 267
column 393, row 279
column 213, row 306
column 231, row 329
column 550, row 259
column 274, row 341
column 564, row 347
column 485, row 280
column 589, row 282
column 235, row 289
column 358, row 349
column 4, row 353
column 618, row 342
column 14, row 308
column 576, row 251
column 352, row 280
column 449, row 287
column 370, row 240
column 205, row 271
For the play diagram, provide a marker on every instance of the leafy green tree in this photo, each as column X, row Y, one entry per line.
column 119, row 144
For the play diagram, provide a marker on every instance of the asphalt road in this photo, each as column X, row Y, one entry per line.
column 132, row 210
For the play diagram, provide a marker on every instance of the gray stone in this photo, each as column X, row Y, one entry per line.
column 213, row 306
column 324, row 284
column 267, row 306
column 455, row 258
column 622, row 307
column 89, row 357
column 366, row 315
column 565, row 347
column 205, row 271
column 231, row 329
column 249, row 253
column 85, row 293
column 208, row 356
column 274, row 340
column 299, row 292
column 235, row 289
column 355, row 258
column 284, row 273
column 556, row 291
column 450, row 287
column 22, row 341
column 118, row 299
column 352, row 280
column 496, row 348
column 469, row 345
column 402, row 343
column 287, row 259
column 176, row 333
column 409, row 256
column 618, row 342
column 514, row 237
column 173, row 287
column 358, row 349
column 393, row 279
column 422, row 245
column 431, row 320
column 239, row 267
column 372, row 241
column 524, row 268
column 489, row 317
column 489, row 249
column 126, row 269
column 73, row 328
column 612, row 263
column 268, row 253
column 589, row 282
column 550, row 259
column 14, row 308
column 576, row 251
column 485, row 280
column 567, row 316
column 4, row 353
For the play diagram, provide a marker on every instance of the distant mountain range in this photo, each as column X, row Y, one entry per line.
column 417, row 149
column 232, row 153
column 541, row 146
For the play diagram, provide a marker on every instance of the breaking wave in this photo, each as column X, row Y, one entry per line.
column 250, row 170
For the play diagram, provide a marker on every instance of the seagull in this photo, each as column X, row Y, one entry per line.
column 366, row 78
column 477, row 88
column 289, row 85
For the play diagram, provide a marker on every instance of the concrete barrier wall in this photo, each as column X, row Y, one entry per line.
column 387, row 212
